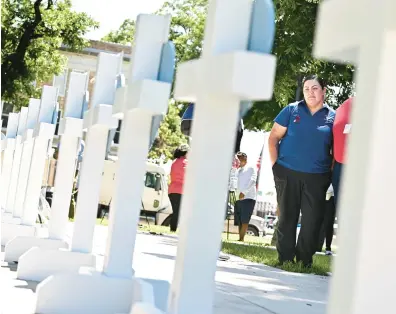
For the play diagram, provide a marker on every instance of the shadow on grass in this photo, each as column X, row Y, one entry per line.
column 263, row 255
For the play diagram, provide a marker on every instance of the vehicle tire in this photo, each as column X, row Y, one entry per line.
column 252, row 231
column 166, row 222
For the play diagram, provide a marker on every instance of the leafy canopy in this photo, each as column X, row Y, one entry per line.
column 169, row 135
column 295, row 28
column 31, row 34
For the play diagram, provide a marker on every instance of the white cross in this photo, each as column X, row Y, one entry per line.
column 34, row 107
column 146, row 97
column 114, row 289
column 43, row 134
column 8, row 145
column 225, row 75
column 12, row 189
column 364, row 32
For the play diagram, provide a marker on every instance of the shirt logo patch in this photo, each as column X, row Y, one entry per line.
column 329, row 119
column 297, row 119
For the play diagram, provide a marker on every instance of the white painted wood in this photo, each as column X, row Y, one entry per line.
column 9, row 145
column 145, row 308
column 64, row 178
column 70, row 130
column 40, row 262
column 49, row 98
column 43, row 134
column 107, row 70
column 368, row 39
column 23, row 114
column 98, row 120
column 147, row 97
column 110, row 291
column 36, row 172
column 78, row 84
column 18, row 246
column 225, row 75
column 102, row 294
column 60, row 81
column 16, row 163
column 33, row 111
column 12, row 125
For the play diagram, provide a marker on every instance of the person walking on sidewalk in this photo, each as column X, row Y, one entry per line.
column 300, row 145
column 244, row 206
column 175, row 189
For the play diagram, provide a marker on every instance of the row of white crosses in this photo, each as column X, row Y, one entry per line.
column 363, row 32
column 113, row 289
column 26, row 162
column 7, row 146
column 31, row 266
column 43, row 259
column 238, row 36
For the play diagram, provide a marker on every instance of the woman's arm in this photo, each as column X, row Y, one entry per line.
column 277, row 133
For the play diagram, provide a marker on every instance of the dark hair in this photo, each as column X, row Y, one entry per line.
column 240, row 154
column 316, row 78
column 178, row 154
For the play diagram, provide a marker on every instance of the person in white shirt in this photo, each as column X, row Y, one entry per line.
column 246, row 195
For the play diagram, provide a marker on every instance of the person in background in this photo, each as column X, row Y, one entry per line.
column 327, row 229
column 175, row 190
column 246, row 195
column 341, row 129
column 300, row 145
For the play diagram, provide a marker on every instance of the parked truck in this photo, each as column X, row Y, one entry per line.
column 155, row 205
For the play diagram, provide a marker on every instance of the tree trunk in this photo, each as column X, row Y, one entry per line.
column 14, row 66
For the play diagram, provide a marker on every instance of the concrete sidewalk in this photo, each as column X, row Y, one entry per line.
column 242, row 286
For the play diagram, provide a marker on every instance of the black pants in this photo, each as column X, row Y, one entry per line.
column 327, row 229
column 336, row 180
column 299, row 191
column 175, row 200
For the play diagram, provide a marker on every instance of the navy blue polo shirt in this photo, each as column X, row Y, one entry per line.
column 307, row 144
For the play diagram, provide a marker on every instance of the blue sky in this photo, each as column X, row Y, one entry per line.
column 110, row 14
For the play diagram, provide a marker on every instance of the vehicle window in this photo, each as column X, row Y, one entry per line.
column 149, row 180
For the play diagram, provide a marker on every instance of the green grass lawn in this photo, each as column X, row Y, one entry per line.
column 256, row 249
column 264, row 255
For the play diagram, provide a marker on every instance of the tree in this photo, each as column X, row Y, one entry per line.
column 169, row 135
column 295, row 28
column 124, row 35
column 31, row 34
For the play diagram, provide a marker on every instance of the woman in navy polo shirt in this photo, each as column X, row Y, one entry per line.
column 300, row 147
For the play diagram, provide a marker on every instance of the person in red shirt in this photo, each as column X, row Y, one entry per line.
column 341, row 129
column 175, row 189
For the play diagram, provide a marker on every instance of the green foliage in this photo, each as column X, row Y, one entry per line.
column 169, row 135
column 295, row 29
column 124, row 35
column 187, row 26
column 31, row 34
